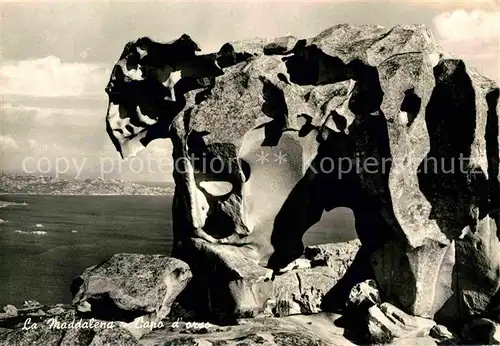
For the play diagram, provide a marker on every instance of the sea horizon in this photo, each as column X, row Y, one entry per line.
column 59, row 236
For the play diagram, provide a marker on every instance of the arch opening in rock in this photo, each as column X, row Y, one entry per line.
column 335, row 226
column 347, row 86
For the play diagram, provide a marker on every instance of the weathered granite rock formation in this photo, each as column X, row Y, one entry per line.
column 68, row 328
column 335, row 255
column 443, row 335
column 267, row 136
column 302, row 290
column 386, row 323
column 131, row 288
column 364, row 294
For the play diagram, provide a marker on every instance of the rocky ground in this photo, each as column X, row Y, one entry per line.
column 131, row 299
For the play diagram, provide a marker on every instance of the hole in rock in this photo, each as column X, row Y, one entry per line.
column 335, row 226
column 217, row 188
column 410, row 106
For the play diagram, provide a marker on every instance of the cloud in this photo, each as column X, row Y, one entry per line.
column 26, row 117
column 473, row 36
column 461, row 25
column 49, row 77
column 45, row 135
column 73, row 130
column 8, row 143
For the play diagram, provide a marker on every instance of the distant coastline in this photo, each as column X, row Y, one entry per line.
column 13, row 184
column 79, row 194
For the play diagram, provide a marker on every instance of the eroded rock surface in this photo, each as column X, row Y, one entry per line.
column 364, row 294
column 64, row 329
column 334, row 255
column 317, row 330
column 301, row 290
column 128, row 286
column 386, row 323
column 442, row 334
column 256, row 127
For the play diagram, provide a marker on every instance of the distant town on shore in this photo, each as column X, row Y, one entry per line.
column 46, row 185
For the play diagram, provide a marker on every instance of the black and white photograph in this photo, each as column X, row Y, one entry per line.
column 243, row 173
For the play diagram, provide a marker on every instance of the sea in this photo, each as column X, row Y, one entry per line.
column 46, row 240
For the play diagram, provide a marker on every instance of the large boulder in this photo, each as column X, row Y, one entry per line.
column 130, row 286
column 267, row 137
column 301, row 290
column 232, row 280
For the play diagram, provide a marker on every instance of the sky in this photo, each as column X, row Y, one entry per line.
column 56, row 58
